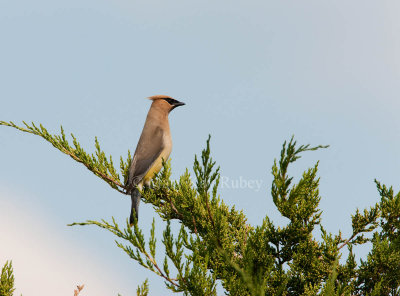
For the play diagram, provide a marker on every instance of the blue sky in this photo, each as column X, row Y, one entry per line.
column 251, row 74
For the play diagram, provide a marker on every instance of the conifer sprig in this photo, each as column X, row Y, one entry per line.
column 143, row 290
column 7, row 280
column 98, row 163
column 135, row 238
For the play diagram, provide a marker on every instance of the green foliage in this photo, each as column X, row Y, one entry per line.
column 7, row 280
column 216, row 244
column 380, row 273
column 98, row 163
column 143, row 290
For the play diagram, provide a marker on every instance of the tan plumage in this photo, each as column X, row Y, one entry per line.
column 155, row 144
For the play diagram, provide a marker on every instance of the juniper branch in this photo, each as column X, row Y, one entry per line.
column 7, row 280
column 97, row 163
column 136, row 239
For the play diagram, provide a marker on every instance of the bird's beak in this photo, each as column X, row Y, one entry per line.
column 177, row 104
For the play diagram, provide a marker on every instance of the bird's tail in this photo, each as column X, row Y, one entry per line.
column 135, row 196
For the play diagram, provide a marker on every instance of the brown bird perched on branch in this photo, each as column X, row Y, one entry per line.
column 154, row 146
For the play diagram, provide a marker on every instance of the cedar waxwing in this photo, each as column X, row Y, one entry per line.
column 155, row 144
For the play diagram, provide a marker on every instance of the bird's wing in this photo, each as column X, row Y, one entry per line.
column 149, row 148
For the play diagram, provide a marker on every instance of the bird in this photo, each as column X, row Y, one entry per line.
column 154, row 146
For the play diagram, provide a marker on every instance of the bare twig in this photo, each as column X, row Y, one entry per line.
column 346, row 242
column 194, row 223
column 160, row 273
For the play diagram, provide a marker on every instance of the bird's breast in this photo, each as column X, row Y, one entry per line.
column 157, row 165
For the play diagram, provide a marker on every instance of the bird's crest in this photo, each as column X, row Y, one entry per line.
column 157, row 97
